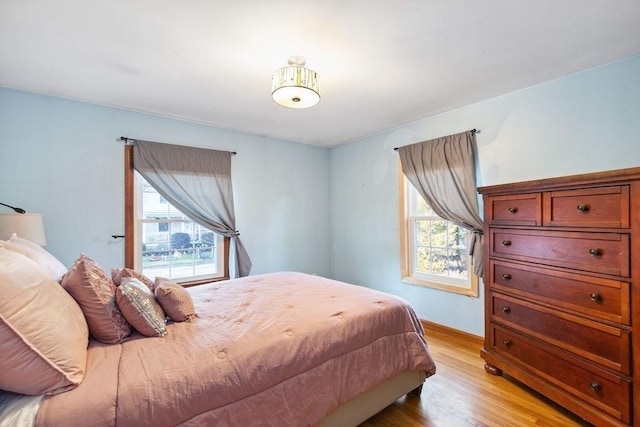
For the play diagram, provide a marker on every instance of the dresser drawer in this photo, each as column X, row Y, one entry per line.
column 518, row 209
column 606, row 253
column 604, row 207
column 603, row 298
column 602, row 344
column 608, row 392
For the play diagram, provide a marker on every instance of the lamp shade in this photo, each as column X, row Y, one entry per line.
column 28, row 226
column 295, row 86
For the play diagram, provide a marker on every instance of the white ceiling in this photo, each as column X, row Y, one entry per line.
column 381, row 63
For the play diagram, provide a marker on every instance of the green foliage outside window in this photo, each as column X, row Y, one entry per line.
column 440, row 246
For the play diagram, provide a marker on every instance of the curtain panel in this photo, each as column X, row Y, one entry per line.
column 197, row 181
column 443, row 172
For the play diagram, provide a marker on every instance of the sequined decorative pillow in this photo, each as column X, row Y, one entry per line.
column 140, row 308
column 175, row 300
column 89, row 285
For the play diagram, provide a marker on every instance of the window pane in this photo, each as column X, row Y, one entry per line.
column 422, row 260
column 178, row 264
column 182, row 254
column 438, row 262
column 438, row 233
column 423, row 208
column 154, row 206
column 459, row 264
column 457, row 236
column 422, row 232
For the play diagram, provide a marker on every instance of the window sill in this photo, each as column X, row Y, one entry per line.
column 471, row 291
column 202, row 281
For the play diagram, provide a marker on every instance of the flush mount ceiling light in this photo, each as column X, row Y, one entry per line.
column 295, row 86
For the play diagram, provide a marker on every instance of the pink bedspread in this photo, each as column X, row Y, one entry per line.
column 282, row 349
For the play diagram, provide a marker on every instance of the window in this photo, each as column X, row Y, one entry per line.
column 171, row 245
column 160, row 241
column 435, row 250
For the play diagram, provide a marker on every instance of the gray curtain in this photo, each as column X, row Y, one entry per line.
column 197, row 182
column 444, row 173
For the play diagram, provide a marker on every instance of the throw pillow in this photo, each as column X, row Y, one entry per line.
column 43, row 334
column 141, row 308
column 89, row 285
column 117, row 274
column 175, row 300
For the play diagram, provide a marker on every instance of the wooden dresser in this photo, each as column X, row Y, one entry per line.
column 562, row 290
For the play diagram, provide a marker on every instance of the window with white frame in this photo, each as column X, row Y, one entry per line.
column 171, row 245
column 436, row 251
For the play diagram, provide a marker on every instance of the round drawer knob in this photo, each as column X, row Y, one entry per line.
column 583, row 208
column 506, row 310
column 506, row 242
column 595, row 386
column 594, row 296
column 506, row 276
column 506, row 343
column 595, row 252
column 513, row 209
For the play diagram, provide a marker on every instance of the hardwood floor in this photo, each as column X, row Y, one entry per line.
column 461, row 393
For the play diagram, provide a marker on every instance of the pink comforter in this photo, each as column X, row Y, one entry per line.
column 282, row 349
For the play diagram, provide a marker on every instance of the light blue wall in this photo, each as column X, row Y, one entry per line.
column 331, row 212
column 64, row 159
column 586, row 122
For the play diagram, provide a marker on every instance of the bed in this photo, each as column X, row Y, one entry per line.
column 280, row 349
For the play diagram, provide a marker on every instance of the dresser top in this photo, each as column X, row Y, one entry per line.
column 572, row 181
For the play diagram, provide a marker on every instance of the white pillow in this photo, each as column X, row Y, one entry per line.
column 25, row 247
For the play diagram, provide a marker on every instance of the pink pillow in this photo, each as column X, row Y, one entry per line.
column 175, row 300
column 89, row 285
column 117, row 274
column 140, row 308
column 25, row 247
column 43, row 334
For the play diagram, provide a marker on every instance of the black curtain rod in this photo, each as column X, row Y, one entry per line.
column 472, row 131
column 126, row 141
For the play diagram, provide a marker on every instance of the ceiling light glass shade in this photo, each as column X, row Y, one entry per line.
column 28, row 226
column 295, row 86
